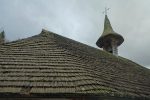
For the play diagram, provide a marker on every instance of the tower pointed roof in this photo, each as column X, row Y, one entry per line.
column 107, row 27
column 108, row 33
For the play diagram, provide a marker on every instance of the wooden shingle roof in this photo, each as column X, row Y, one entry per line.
column 52, row 64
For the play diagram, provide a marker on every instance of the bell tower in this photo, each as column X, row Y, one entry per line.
column 109, row 40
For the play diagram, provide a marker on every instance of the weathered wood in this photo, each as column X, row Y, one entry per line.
column 48, row 63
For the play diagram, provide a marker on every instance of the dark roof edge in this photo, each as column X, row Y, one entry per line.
column 70, row 95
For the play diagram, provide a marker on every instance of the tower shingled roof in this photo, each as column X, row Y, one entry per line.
column 50, row 64
column 107, row 27
column 107, row 33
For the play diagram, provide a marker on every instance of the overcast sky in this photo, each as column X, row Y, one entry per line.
column 81, row 20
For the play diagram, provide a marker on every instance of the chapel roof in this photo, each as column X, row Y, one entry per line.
column 48, row 63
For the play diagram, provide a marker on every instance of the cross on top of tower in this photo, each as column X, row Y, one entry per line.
column 106, row 9
column 109, row 40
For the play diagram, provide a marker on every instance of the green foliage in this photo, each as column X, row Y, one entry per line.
column 2, row 34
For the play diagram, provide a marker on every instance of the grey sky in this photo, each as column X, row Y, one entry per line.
column 81, row 20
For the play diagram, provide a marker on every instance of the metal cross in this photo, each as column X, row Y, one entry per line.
column 106, row 9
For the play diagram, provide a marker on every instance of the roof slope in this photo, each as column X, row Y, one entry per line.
column 49, row 64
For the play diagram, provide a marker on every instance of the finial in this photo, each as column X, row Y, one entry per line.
column 106, row 9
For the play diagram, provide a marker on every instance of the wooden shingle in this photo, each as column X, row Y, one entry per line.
column 51, row 64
